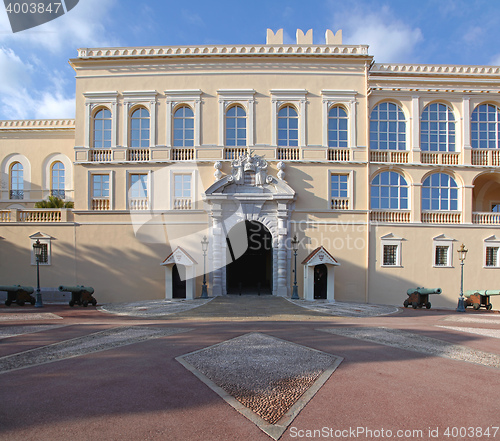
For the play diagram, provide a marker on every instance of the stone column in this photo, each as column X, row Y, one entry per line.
column 216, row 240
column 282, row 250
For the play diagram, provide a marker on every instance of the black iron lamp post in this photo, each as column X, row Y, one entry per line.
column 295, row 246
column 204, row 247
column 462, row 253
column 37, row 249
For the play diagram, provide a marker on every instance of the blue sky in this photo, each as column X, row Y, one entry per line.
column 36, row 80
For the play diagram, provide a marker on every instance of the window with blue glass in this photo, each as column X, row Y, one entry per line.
column 100, row 186
column 139, row 133
column 339, row 186
column 387, row 127
column 485, row 127
column 337, row 127
column 183, row 127
column 439, row 192
column 138, row 186
column 288, row 127
column 236, row 127
column 58, row 184
column 437, row 129
column 389, row 191
column 102, row 129
column 16, row 181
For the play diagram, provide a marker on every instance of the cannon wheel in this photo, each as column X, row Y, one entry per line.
column 71, row 303
column 428, row 305
column 406, row 303
column 32, row 301
column 8, row 302
column 489, row 306
column 94, row 302
column 414, row 305
column 85, row 303
column 20, row 302
column 476, row 306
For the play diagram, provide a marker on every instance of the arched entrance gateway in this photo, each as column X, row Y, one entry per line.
column 252, row 272
column 250, row 214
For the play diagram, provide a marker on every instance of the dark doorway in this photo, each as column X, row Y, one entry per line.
column 320, row 281
column 178, row 285
column 252, row 272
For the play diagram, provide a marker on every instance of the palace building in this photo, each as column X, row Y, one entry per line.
column 380, row 171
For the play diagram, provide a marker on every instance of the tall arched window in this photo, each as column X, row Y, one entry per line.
column 102, row 129
column 139, row 132
column 387, row 127
column 16, row 181
column 485, row 127
column 57, row 180
column 337, row 127
column 184, row 127
column 389, row 190
column 439, row 192
column 236, row 126
column 437, row 129
column 288, row 127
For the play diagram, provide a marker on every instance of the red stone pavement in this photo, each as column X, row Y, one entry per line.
column 139, row 391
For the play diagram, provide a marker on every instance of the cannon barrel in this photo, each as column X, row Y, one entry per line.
column 17, row 288
column 76, row 289
column 424, row 291
column 484, row 292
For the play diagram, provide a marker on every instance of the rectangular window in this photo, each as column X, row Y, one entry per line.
column 492, row 256
column 100, row 186
column 44, row 257
column 138, row 186
column 495, row 208
column 390, row 255
column 441, row 255
column 339, row 186
column 182, row 186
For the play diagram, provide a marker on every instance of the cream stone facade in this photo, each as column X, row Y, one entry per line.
column 388, row 167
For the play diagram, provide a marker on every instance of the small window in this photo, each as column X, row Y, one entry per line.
column 100, row 186
column 183, row 127
column 390, row 255
column 441, row 255
column 58, row 180
column 16, row 181
column 288, row 127
column 337, row 127
column 102, row 129
column 236, row 127
column 339, row 186
column 492, row 256
column 138, row 186
column 139, row 132
column 495, row 208
column 182, row 186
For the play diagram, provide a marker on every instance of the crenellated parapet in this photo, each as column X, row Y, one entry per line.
column 38, row 124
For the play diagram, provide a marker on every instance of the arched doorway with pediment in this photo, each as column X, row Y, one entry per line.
column 252, row 271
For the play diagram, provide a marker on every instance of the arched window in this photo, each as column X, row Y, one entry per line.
column 236, row 126
column 387, row 127
column 16, row 181
column 485, row 127
column 57, row 180
column 337, row 127
column 439, row 192
column 139, row 133
column 102, row 129
column 437, row 129
column 288, row 127
column 389, row 190
column 184, row 127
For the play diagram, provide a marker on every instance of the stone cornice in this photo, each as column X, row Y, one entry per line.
column 38, row 124
column 378, row 69
column 222, row 50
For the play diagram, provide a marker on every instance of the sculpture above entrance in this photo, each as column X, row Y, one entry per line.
column 254, row 165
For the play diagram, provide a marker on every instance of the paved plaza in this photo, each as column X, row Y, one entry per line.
column 247, row 368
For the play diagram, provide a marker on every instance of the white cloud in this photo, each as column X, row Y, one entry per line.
column 390, row 39
column 83, row 26
column 18, row 100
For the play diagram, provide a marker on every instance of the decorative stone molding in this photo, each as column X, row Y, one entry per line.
column 434, row 69
column 204, row 51
column 242, row 97
column 217, row 173
column 38, row 124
